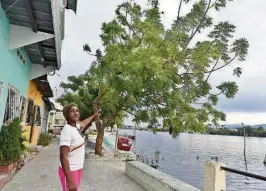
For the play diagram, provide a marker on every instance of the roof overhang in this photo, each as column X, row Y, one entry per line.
column 36, row 26
column 43, row 86
column 48, row 103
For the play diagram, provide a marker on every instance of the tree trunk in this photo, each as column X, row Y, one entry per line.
column 99, row 142
column 99, row 127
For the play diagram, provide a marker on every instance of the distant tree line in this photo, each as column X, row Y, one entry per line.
column 250, row 131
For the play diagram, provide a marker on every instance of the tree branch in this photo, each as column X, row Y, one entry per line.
column 202, row 20
column 95, row 110
column 180, row 76
column 131, row 29
column 179, row 9
column 142, row 37
column 194, row 33
column 217, row 93
column 130, row 113
column 156, row 102
column 91, row 54
column 159, row 109
column 212, row 69
column 213, row 4
column 207, row 50
column 98, row 98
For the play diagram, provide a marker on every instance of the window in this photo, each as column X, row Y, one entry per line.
column 23, row 102
column 38, row 116
column 30, row 112
column 12, row 109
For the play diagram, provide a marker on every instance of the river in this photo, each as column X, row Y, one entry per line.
column 184, row 156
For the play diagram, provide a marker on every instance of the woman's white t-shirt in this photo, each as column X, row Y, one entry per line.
column 71, row 137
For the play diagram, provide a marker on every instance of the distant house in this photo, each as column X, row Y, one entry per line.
column 31, row 34
column 56, row 117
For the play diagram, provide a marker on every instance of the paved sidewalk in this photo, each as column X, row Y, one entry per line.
column 40, row 174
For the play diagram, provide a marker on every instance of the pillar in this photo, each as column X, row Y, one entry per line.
column 214, row 177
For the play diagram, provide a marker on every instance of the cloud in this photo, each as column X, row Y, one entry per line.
column 250, row 102
column 246, row 118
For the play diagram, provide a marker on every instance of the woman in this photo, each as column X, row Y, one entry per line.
column 72, row 149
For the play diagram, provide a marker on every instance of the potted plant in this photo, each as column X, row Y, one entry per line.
column 12, row 146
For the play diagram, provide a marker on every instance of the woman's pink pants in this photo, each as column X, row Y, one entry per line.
column 76, row 176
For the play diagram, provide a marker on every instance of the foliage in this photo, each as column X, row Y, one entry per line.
column 83, row 97
column 154, row 73
column 249, row 131
column 92, row 133
column 44, row 139
column 11, row 142
column 50, row 131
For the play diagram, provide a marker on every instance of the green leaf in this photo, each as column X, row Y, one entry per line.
column 86, row 48
column 229, row 89
column 213, row 99
column 219, row 4
column 240, row 48
column 222, row 32
column 237, row 71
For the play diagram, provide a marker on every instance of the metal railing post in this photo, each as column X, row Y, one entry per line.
column 214, row 177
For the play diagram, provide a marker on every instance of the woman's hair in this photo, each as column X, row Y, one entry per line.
column 67, row 108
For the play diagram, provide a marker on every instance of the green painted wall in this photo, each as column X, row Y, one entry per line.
column 12, row 70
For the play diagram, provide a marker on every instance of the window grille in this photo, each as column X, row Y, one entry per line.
column 38, row 116
column 12, row 109
column 23, row 102
column 30, row 112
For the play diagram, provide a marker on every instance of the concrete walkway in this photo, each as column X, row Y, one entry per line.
column 40, row 174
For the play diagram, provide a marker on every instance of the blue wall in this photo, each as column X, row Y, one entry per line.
column 12, row 70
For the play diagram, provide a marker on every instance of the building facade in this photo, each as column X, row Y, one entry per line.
column 14, row 73
column 31, row 34
column 38, row 106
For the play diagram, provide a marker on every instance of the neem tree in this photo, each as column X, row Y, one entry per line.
column 154, row 73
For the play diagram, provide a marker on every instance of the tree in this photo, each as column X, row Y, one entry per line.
column 83, row 97
column 81, row 91
column 154, row 73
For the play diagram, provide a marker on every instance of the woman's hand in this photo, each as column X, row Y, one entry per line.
column 98, row 113
column 72, row 187
column 84, row 123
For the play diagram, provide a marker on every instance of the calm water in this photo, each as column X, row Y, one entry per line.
column 180, row 156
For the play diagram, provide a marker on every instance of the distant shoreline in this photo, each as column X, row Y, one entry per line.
column 259, row 132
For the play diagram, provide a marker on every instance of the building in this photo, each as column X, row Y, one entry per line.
column 48, row 106
column 31, row 34
column 38, row 108
column 56, row 117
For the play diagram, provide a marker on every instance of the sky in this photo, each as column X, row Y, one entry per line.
column 249, row 105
